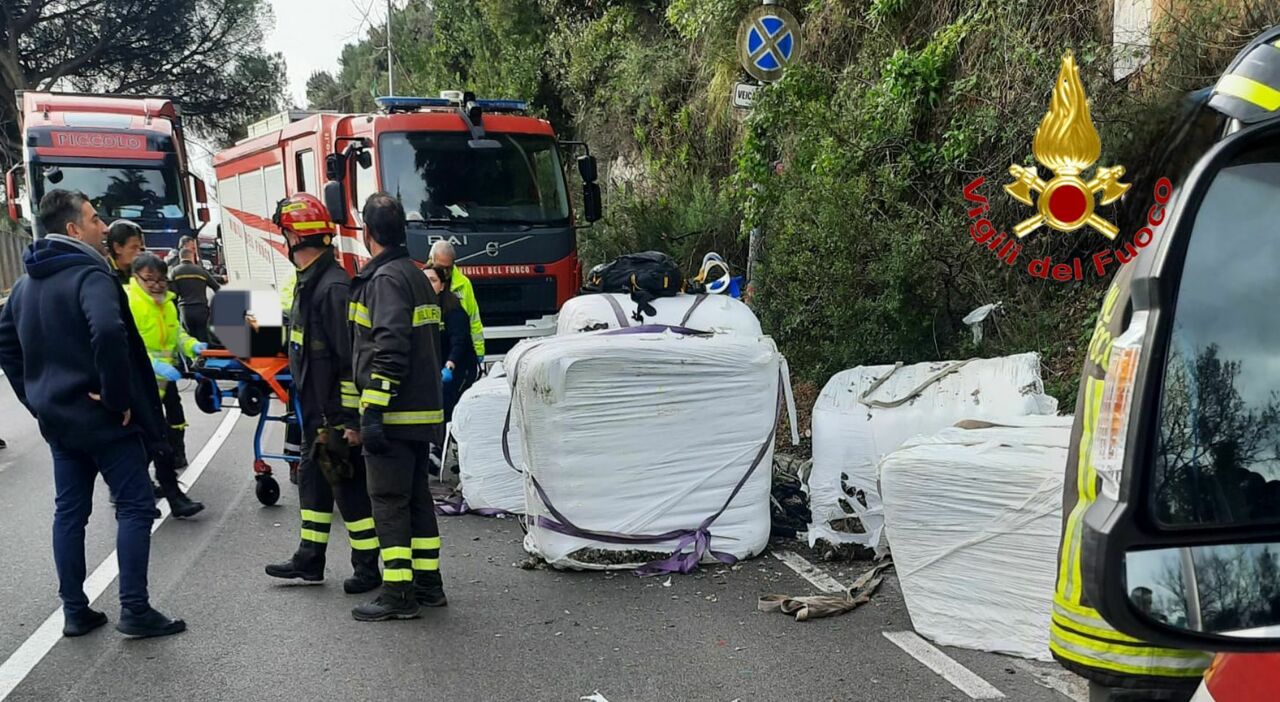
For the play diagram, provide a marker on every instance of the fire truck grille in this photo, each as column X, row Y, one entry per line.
column 513, row 301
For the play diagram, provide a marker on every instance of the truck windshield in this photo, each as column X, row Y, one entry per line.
column 439, row 177
column 116, row 192
column 1218, row 457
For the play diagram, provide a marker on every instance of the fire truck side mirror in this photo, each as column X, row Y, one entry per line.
column 202, row 199
column 592, row 207
column 11, row 194
column 587, row 168
column 334, row 168
column 335, row 201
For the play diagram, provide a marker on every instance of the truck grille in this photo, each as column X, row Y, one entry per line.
column 513, row 301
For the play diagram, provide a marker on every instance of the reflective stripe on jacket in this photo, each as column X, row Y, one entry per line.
column 461, row 286
column 395, row 326
column 158, row 324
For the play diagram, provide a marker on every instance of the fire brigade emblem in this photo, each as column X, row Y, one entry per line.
column 1067, row 143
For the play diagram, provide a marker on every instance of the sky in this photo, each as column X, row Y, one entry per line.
column 311, row 33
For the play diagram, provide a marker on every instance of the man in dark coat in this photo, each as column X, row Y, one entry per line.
column 77, row 363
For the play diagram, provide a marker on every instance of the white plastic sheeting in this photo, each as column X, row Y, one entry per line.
column 718, row 313
column 488, row 482
column 851, row 433
column 643, row 434
column 974, row 514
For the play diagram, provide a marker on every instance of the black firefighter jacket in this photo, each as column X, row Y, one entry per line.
column 320, row 346
column 395, row 323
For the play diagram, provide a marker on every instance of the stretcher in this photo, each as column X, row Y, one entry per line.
column 220, row 375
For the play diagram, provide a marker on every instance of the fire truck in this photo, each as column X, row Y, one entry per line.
column 480, row 174
column 126, row 153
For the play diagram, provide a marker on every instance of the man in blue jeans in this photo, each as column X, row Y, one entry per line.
column 74, row 358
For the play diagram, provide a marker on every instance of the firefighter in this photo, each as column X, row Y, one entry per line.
column 442, row 256
column 395, row 319
column 192, row 284
column 331, row 468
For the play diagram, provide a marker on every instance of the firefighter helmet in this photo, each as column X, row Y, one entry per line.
column 306, row 217
column 1249, row 90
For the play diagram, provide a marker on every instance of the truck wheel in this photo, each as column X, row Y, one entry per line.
column 252, row 399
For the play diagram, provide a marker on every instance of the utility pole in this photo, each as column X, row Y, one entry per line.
column 391, row 90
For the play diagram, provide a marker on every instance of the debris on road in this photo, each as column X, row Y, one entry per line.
column 817, row 606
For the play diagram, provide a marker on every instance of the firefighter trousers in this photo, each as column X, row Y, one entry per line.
column 317, row 498
column 404, row 511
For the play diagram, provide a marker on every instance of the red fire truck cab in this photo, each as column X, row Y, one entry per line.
column 125, row 153
column 479, row 174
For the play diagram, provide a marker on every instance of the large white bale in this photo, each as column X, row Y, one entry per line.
column 864, row 413
column 645, row 434
column 488, row 482
column 718, row 313
column 973, row 514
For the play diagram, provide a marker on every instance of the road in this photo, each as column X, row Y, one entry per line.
column 508, row 633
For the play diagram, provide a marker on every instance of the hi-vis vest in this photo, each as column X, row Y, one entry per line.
column 461, row 286
column 158, row 325
column 1079, row 638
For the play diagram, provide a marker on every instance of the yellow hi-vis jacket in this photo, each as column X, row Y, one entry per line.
column 158, row 324
column 1079, row 638
column 460, row 284
column 287, row 289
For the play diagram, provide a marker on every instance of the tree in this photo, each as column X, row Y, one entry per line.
column 206, row 54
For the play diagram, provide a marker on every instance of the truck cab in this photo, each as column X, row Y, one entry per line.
column 125, row 153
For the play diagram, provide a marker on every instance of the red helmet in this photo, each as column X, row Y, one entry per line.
column 305, row 216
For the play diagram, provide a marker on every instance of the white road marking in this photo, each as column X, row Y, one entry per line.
column 809, row 571
column 19, row 665
column 1057, row 679
column 964, row 679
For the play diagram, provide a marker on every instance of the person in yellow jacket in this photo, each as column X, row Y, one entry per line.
column 156, row 314
column 442, row 256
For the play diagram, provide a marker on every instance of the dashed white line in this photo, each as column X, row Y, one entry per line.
column 19, row 665
column 964, row 679
column 815, row 575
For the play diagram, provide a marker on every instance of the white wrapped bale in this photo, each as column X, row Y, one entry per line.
column 973, row 515
column 717, row 313
column 645, row 434
column 864, row 413
column 488, row 482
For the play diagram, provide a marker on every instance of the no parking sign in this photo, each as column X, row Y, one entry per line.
column 768, row 42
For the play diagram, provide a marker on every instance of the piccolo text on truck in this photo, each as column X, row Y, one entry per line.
column 125, row 153
column 480, row 174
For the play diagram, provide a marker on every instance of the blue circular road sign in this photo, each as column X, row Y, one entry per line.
column 768, row 42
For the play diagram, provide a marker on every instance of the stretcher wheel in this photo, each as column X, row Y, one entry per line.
column 252, row 399
column 207, row 396
column 268, row 490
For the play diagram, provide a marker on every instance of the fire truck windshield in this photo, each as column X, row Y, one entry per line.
column 116, row 192
column 439, row 177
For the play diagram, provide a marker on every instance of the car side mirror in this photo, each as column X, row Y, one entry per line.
column 336, row 202
column 1182, row 546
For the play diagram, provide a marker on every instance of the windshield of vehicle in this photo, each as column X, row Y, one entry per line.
column 131, row 193
column 1218, row 457
column 439, row 177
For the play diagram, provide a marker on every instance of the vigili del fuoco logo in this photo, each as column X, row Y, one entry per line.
column 1066, row 143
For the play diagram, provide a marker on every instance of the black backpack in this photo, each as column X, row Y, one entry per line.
column 646, row 276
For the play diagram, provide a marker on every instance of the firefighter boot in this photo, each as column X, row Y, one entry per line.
column 179, row 504
column 394, row 602
column 178, row 441
column 307, row 565
column 367, row 578
column 428, row 588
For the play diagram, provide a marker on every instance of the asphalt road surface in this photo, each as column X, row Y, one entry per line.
column 508, row 633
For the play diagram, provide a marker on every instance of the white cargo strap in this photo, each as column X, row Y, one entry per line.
column 791, row 400
column 913, row 393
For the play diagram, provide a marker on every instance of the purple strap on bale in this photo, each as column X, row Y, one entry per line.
column 456, row 505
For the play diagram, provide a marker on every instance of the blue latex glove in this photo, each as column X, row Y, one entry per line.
column 199, row 348
column 446, row 374
column 166, row 371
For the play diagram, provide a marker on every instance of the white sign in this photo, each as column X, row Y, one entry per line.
column 744, row 95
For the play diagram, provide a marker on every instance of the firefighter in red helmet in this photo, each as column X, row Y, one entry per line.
column 332, row 469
